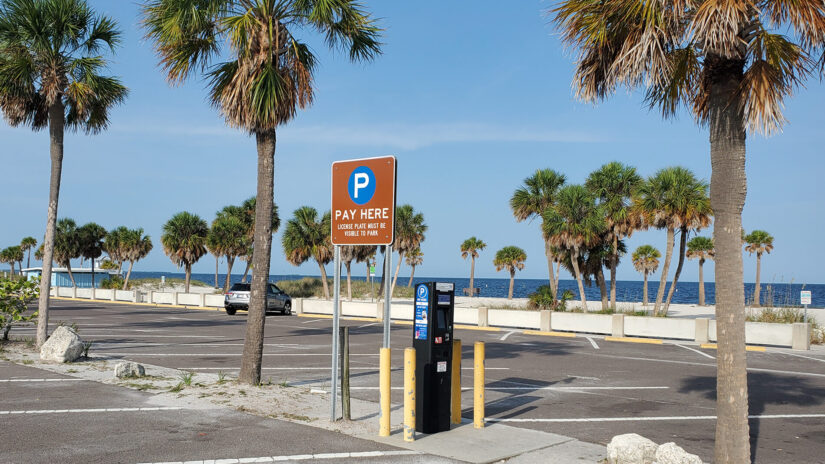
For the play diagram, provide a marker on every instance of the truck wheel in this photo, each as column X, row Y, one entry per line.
column 230, row 311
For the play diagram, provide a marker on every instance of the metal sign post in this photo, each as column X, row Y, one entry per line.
column 805, row 298
column 362, row 213
column 387, row 296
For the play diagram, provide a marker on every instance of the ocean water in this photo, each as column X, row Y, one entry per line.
column 783, row 294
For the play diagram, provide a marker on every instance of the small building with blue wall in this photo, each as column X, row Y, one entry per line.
column 82, row 276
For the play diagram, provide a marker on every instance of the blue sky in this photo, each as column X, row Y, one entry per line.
column 470, row 100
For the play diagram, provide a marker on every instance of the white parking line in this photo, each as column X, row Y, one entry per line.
column 56, row 411
column 313, row 320
column 806, row 357
column 504, row 337
column 39, row 380
column 366, row 325
column 593, row 342
column 299, row 457
column 658, row 418
column 694, row 350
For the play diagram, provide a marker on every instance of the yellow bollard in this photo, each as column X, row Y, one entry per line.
column 478, row 388
column 384, row 392
column 455, row 401
column 409, row 394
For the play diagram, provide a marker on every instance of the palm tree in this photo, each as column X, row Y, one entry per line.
column 184, row 240
column 66, row 246
column 646, row 261
column 613, row 185
column 534, row 198
column 414, row 258
column 269, row 76
column 575, row 223
column 26, row 245
column 306, row 237
column 758, row 242
column 113, row 246
column 136, row 246
column 213, row 246
column 12, row 255
column 229, row 238
column 471, row 247
column 728, row 65
column 673, row 199
column 511, row 258
column 700, row 248
column 246, row 214
column 5, row 257
column 409, row 233
column 365, row 254
column 91, row 238
column 348, row 254
column 50, row 75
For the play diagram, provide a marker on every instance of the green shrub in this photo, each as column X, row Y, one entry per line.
column 312, row 287
column 114, row 282
column 15, row 296
column 543, row 298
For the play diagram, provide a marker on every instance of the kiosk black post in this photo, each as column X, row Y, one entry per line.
column 433, row 343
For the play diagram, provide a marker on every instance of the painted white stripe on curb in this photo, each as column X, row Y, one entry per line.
column 694, row 350
column 56, row 411
column 40, row 380
column 504, row 337
column 299, row 457
column 666, row 418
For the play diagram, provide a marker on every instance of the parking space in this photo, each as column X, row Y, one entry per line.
column 584, row 387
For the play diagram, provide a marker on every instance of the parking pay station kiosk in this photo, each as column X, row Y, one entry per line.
column 433, row 343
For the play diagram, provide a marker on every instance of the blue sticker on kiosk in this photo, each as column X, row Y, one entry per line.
column 422, row 294
column 420, row 322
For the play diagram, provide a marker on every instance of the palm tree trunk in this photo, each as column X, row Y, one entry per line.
column 383, row 274
column 602, row 288
column 29, row 259
column 71, row 276
column 644, row 292
column 512, row 280
column 397, row 268
column 412, row 274
column 349, row 280
column 93, row 272
column 230, row 261
column 701, row 282
column 216, row 271
column 556, row 284
column 56, row 123
column 253, row 346
column 246, row 271
column 614, row 263
column 188, row 268
column 756, row 291
column 682, row 246
column 549, row 255
column 324, row 280
column 660, row 292
column 728, row 188
column 128, row 274
column 472, row 275
column 369, row 279
column 575, row 262
column 120, row 267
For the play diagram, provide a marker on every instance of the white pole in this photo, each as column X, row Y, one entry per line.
column 335, row 323
column 387, row 296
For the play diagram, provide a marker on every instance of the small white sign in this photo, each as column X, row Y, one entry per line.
column 805, row 296
column 444, row 286
column 441, row 367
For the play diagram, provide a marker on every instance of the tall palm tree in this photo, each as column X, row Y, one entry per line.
column 91, row 243
column 230, row 239
column 213, row 246
column 269, row 75
column 308, row 237
column 26, row 245
column 511, row 258
column 470, row 248
column 409, row 233
column 135, row 246
column 700, row 248
column 534, row 198
column 646, row 261
column 246, row 214
column 576, row 222
column 184, row 241
column 673, row 199
column 66, row 246
column 414, row 258
column 758, row 242
column 50, row 75
column 613, row 185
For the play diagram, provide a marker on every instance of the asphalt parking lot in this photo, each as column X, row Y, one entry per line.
column 583, row 387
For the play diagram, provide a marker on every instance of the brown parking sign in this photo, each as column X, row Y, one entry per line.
column 363, row 201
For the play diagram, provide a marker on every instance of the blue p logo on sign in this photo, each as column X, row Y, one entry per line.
column 361, row 185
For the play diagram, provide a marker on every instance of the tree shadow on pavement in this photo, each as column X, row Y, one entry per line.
column 518, row 392
column 494, row 350
column 763, row 389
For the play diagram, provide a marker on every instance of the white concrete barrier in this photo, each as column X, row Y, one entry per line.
column 582, row 322
column 124, row 295
column 162, row 298
column 64, row 292
column 214, row 301
column 189, row 299
column 83, row 293
column 465, row 316
column 103, row 294
column 660, row 327
column 766, row 333
column 513, row 318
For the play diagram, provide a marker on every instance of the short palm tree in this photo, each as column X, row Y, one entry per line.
column 673, row 199
column 184, row 241
column 646, row 261
column 229, row 238
column 414, row 258
column 758, row 242
column 136, row 246
column 51, row 68
column 113, row 246
column 511, row 258
column 14, row 255
column 575, row 223
column 348, row 254
column 731, row 66
column 27, row 244
column 366, row 254
column 613, row 185
column 66, row 245
column 5, row 257
column 268, row 76
column 409, row 233
column 470, row 248
column 246, row 214
column 91, row 237
column 700, row 248
column 537, row 195
column 306, row 237
column 213, row 246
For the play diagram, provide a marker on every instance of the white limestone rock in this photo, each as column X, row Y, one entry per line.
column 671, row 453
column 631, row 448
column 64, row 345
column 129, row 369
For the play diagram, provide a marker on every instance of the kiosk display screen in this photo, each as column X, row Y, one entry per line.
column 444, row 299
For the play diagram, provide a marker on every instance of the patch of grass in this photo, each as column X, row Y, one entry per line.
column 787, row 316
column 72, row 326
column 170, row 281
column 86, row 347
column 284, row 383
column 71, row 371
column 28, row 361
column 221, row 377
column 139, row 386
column 296, row 417
column 29, row 342
column 186, row 378
column 313, row 287
column 242, row 392
column 263, row 383
column 176, row 388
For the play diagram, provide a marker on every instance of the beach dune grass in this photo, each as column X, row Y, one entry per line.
column 310, row 287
